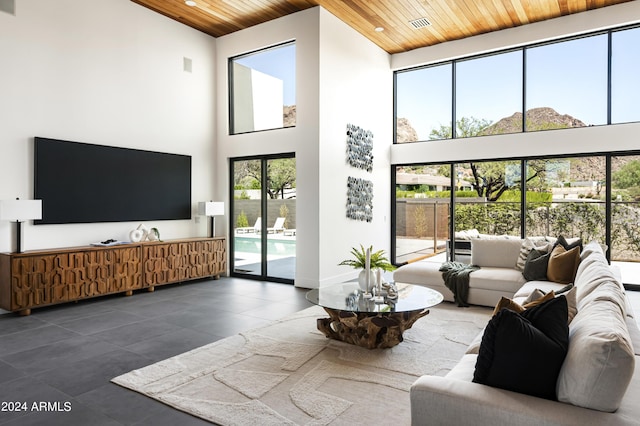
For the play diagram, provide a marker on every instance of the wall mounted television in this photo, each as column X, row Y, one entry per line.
column 85, row 183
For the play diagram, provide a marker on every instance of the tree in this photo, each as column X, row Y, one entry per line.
column 627, row 176
column 281, row 175
column 465, row 127
column 489, row 179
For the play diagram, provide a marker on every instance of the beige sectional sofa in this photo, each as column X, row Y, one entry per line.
column 598, row 383
column 497, row 276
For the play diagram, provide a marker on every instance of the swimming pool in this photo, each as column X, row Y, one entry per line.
column 274, row 246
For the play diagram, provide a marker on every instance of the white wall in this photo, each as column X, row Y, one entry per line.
column 356, row 87
column 303, row 27
column 341, row 78
column 553, row 142
column 107, row 72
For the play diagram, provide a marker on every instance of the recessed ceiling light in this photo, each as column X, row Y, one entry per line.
column 379, row 29
column 190, row 3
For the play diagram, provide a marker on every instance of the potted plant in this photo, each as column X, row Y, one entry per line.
column 378, row 260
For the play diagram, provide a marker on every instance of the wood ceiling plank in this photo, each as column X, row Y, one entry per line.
column 450, row 19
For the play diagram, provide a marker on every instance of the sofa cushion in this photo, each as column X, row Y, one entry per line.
column 600, row 360
column 563, row 264
column 536, row 265
column 499, row 253
column 506, row 280
column 530, row 286
column 592, row 273
column 592, row 247
column 524, row 352
column 418, row 273
column 464, row 368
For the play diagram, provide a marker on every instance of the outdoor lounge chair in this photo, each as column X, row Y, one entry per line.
column 278, row 226
column 245, row 230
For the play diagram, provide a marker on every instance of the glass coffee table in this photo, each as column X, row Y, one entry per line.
column 371, row 324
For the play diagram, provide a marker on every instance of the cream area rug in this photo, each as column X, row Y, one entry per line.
column 288, row 373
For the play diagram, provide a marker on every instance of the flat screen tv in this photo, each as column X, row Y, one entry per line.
column 86, row 183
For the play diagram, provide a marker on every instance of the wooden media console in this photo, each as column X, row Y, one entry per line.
column 47, row 277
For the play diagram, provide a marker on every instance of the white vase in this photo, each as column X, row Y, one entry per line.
column 362, row 280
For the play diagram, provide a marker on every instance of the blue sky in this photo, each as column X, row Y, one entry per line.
column 570, row 77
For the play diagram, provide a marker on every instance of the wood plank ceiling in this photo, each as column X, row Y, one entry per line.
column 447, row 19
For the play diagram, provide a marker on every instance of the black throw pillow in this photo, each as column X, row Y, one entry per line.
column 561, row 241
column 524, row 352
column 535, row 267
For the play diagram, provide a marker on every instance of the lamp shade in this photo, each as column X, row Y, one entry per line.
column 20, row 210
column 211, row 208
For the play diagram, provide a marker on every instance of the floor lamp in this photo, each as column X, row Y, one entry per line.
column 211, row 209
column 18, row 211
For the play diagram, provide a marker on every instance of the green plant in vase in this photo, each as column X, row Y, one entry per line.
column 378, row 260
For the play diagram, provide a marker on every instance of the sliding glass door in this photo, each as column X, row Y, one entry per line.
column 264, row 217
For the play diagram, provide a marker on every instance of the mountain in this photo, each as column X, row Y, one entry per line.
column 405, row 132
column 543, row 118
column 289, row 115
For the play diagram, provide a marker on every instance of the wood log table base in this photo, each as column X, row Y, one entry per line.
column 369, row 330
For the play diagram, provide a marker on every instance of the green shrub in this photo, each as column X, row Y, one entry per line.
column 242, row 221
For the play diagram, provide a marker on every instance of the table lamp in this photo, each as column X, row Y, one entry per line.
column 211, row 209
column 18, row 211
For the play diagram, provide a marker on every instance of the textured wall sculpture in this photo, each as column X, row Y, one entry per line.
column 359, row 199
column 359, row 147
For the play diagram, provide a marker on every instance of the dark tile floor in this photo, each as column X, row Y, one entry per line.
column 65, row 355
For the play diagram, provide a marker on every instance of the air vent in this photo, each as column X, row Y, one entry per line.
column 8, row 6
column 420, row 23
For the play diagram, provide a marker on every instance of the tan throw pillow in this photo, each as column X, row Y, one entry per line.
column 563, row 265
column 505, row 302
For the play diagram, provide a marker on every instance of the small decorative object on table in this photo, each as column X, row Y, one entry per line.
column 368, row 260
column 141, row 233
column 154, row 235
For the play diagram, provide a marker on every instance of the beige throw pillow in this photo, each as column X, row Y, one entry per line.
column 529, row 244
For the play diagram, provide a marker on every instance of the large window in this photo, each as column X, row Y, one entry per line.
column 567, row 196
column 570, row 196
column 423, row 102
column 422, row 211
column 625, row 85
column 492, row 204
column 488, row 95
column 567, row 81
column 262, row 89
column 625, row 213
column 577, row 82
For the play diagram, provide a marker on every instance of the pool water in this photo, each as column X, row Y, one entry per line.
column 274, row 246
